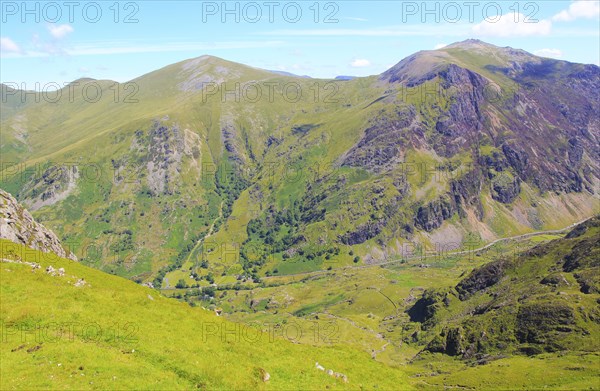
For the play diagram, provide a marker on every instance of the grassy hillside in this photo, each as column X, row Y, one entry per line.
column 375, row 308
column 90, row 330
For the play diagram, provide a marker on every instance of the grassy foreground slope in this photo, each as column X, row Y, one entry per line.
column 90, row 330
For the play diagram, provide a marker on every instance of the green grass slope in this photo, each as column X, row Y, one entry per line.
column 109, row 333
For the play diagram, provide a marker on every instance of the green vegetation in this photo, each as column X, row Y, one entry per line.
column 361, row 230
column 376, row 309
column 111, row 333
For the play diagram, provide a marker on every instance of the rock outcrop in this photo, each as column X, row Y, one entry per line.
column 525, row 304
column 17, row 225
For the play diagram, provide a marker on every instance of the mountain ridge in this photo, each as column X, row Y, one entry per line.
column 422, row 154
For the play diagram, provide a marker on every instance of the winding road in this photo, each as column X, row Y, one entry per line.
column 437, row 255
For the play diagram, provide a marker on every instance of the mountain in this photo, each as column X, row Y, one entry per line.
column 211, row 168
column 17, row 225
column 394, row 231
column 283, row 73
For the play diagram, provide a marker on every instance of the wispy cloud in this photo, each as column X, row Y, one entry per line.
column 512, row 25
column 552, row 53
column 7, row 45
column 360, row 63
column 124, row 47
column 391, row 31
column 60, row 31
column 579, row 9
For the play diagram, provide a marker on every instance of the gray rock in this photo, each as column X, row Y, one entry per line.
column 18, row 226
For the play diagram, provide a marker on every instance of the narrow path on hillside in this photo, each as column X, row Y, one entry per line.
column 209, row 233
column 449, row 254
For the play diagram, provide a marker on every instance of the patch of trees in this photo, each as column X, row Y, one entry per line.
column 124, row 242
column 229, row 186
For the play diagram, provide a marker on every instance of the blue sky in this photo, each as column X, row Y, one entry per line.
column 57, row 42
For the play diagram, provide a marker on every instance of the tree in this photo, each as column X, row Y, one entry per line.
column 356, row 259
column 181, row 284
column 210, row 278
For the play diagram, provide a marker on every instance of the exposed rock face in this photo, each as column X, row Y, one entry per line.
column 466, row 191
column 505, row 188
column 17, row 225
column 204, row 70
column 536, row 119
column 166, row 147
column 384, row 142
column 465, row 114
column 362, row 233
column 432, row 215
column 538, row 322
column 157, row 157
column 507, row 307
column 54, row 184
column 425, row 309
column 517, row 159
column 481, row 278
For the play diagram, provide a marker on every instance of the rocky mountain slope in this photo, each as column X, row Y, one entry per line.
column 544, row 300
column 471, row 142
column 18, row 226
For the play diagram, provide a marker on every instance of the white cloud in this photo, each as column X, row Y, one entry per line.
column 126, row 47
column 579, row 9
column 355, row 19
column 360, row 63
column 512, row 25
column 8, row 45
column 552, row 53
column 83, row 70
column 60, row 31
column 439, row 46
column 406, row 30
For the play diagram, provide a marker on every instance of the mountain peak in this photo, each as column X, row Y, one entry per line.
column 488, row 49
column 470, row 43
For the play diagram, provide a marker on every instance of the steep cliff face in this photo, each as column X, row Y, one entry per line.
column 540, row 114
column 385, row 141
column 17, row 225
